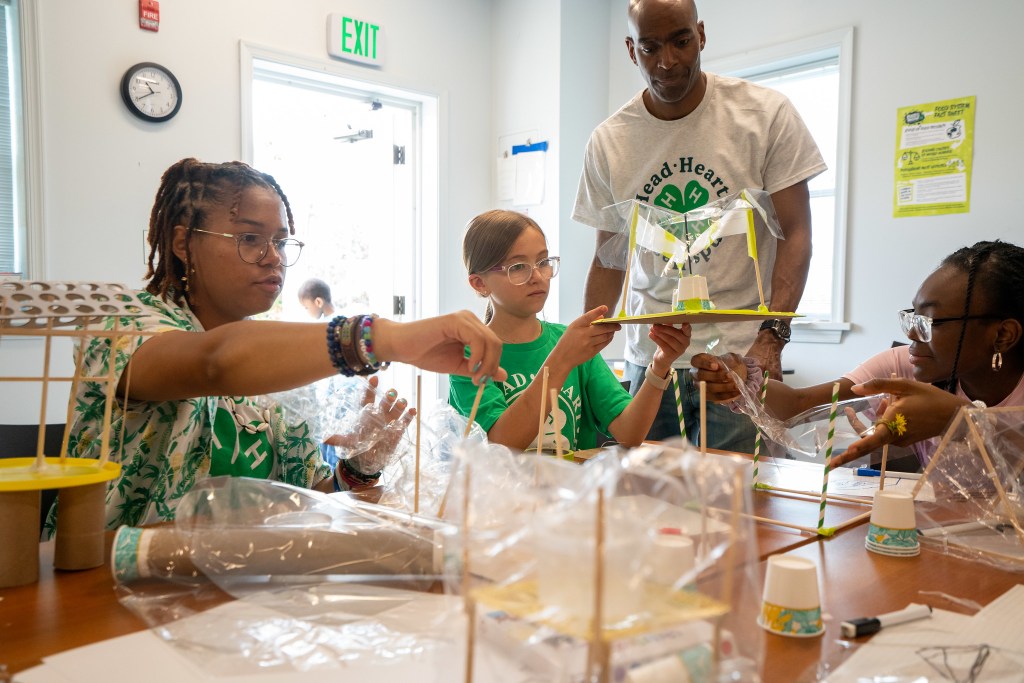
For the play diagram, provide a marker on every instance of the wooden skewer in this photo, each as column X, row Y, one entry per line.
column 597, row 644
column 543, row 405
column 467, row 599
column 703, row 418
column 111, row 391
column 558, row 435
column 465, row 435
column 41, row 438
column 419, row 409
column 828, row 496
column 885, row 454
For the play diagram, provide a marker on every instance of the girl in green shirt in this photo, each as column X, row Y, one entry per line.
column 506, row 256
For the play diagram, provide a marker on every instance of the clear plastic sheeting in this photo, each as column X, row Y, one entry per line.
column 318, row 580
column 353, row 417
column 667, row 242
column 976, row 476
column 807, row 433
column 653, row 540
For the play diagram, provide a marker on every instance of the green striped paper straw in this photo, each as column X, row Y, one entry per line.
column 679, row 404
column 757, row 439
column 828, row 454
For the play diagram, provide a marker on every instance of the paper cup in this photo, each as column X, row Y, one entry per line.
column 565, row 567
column 791, row 605
column 671, row 558
column 893, row 527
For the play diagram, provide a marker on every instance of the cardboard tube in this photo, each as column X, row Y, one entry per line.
column 80, row 526
column 19, row 538
column 167, row 553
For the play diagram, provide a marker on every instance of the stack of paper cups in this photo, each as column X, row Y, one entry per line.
column 671, row 558
column 791, row 605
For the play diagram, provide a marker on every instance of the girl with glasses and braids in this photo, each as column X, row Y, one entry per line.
column 506, row 256
column 220, row 238
column 965, row 347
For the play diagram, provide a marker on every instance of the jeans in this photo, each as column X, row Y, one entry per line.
column 727, row 431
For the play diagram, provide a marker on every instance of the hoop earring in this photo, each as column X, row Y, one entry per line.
column 997, row 361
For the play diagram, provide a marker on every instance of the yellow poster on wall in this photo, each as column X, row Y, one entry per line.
column 934, row 150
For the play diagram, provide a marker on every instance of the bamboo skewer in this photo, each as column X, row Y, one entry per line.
column 543, row 405
column 467, row 599
column 885, row 455
column 703, row 418
column 419, row 409
column 465, row 435
column 558, row 435
column 41, row 438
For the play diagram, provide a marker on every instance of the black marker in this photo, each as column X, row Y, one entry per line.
column 855, row 628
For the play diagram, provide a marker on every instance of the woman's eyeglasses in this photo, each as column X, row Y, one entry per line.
column 253, row 247
column 520, row 273
column 921, row 325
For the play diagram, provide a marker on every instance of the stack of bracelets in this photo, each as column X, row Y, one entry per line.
column 350, row 344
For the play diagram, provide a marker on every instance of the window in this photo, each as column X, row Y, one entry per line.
column 12, row 233
column 815, row 74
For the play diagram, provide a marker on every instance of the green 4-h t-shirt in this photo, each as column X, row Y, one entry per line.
column 590, row 398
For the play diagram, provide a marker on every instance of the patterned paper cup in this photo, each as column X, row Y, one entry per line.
column 791, row 605
column 893, row 527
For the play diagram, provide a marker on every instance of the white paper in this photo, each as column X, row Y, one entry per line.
column 529, row 178
column 506, row 174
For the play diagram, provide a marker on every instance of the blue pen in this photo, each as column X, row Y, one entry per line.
column 871, row 472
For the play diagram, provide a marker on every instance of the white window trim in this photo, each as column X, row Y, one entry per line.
column 797, row 51
column 30, row 125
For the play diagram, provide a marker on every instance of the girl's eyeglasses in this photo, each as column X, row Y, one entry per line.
column 520, row 273
column 253, row 247
column 921, row 325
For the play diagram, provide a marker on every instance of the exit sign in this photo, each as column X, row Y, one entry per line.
column 355, row 40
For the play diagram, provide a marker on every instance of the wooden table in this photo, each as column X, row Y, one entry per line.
column 62, row 611
column 70, row 609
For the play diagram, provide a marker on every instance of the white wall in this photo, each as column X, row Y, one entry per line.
column 907, row 52
column 101, row 166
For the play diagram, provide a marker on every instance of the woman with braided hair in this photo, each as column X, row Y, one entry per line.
column 221, row 239
column 965, row 347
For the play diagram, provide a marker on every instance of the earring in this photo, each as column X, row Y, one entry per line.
column 185, row 280
column 997, row 361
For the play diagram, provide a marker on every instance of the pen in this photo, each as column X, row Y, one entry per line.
column 865, row 626
column 961, row 528
column 871, row 472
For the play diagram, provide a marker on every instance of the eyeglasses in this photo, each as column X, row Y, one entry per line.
column 253, row 247
column 520, row 273
column 921, row 325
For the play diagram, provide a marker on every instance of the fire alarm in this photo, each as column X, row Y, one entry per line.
column 149, row 15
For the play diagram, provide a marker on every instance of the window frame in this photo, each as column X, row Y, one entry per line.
column 836, row 44
column 27, row 136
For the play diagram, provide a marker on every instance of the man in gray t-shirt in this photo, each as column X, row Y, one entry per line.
column 689, row 138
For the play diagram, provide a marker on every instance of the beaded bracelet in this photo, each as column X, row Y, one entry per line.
column 335, row 348
column 350, row 474
column 365, row 347
column 346, row 339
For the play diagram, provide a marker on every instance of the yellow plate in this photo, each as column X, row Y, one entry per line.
column 714, row 316
column 22, row 474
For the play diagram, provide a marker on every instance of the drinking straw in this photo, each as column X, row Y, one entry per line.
column 679, row 403
column 828, row 454
column 757, row 439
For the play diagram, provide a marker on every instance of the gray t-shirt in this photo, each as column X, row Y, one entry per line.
column 740, row 136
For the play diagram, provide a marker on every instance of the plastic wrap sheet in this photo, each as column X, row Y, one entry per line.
column 526, row 533
column 807, row 433
column 976, row 475
column 348, row 412
column 667, row 242
column 319, row 579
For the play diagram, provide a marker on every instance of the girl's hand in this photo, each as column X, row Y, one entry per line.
column 671, row 344
column 583, row 340
column 438, row 344
column 712, row 370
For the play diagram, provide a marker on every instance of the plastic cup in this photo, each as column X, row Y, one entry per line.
column 893, row 527
column 791, row 605
column 565, row 567
column 671, row 558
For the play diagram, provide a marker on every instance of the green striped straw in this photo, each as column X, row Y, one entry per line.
column 679, row 404
column 757, row 439
column 828, row 454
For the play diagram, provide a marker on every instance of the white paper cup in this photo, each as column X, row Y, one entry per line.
column 671, row 558
column 791, row 605
column 893, row 510
column 565, row 567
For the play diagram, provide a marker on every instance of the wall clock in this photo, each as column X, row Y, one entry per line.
column 151, row 92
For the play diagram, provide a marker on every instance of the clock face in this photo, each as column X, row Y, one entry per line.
column 151, row 92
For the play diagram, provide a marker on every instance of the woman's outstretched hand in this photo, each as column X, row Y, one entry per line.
column 438, row 345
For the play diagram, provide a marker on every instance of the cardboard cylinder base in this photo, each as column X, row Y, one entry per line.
column 19, row 538
column 80, row 524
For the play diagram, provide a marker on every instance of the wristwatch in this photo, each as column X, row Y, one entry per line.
column 780, row 327
column 660, row 383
